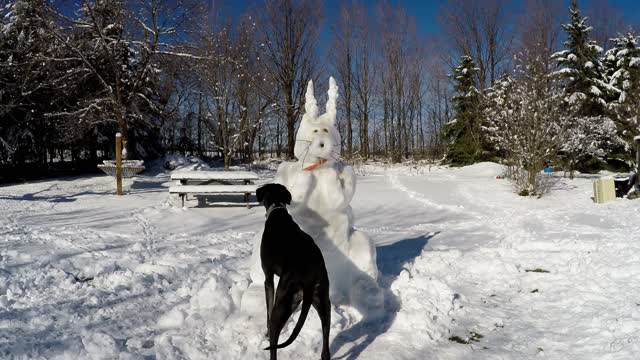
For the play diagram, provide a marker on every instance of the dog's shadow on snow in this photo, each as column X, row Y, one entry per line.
column 391, row 260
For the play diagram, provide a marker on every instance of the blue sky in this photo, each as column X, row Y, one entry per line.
column 426, row 11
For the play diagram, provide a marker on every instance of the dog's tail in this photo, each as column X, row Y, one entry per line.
column 307, row 299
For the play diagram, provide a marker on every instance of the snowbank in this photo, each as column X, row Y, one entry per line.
column 484, row 169
column 469, row 270
column 182, row 162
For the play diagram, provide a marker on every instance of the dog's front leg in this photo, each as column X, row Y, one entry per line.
column 269, row 295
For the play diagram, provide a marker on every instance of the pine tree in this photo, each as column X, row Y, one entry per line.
column 464, row 132
column 623, row 69
column 585, row 94
column 581, row 69
column 27, row 92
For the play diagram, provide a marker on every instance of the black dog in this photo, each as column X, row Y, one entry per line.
column 290, row 253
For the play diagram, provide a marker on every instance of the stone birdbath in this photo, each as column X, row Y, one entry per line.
column 120, row 168
column 129, row 167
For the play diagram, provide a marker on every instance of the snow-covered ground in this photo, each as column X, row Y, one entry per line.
column 470, row 271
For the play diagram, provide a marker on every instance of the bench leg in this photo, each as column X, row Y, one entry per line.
column 247, row 195
column 182, row 197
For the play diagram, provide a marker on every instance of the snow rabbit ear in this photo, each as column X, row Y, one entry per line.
column 329, row 117
column 331, row 100
column 310, row 105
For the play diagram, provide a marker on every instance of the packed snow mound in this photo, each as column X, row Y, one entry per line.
column 183, row 162
column 483, row 169
column 420, row 292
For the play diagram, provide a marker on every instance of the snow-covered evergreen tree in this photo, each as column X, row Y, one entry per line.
column 623, row 67
column 580, row 68
column 464, row 133
column 585, row 94
column 26, row 91
column 589, row 138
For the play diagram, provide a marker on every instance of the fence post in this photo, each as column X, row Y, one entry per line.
column 119, row 164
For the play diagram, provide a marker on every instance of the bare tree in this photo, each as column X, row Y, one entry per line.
column 364, row 73
column 396, row 26
column 540, row 29
column 606, row 20
column 479, row 29
column 130, row 38
column 342, row 57
column 438, row 108
column 290, row 31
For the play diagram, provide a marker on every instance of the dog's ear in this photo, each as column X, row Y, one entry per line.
column 260, row 193
column 287, row 195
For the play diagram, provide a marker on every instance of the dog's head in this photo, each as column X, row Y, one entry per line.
column 273, row 194
column 318, row 137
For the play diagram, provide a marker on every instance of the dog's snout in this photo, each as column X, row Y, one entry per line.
column 321, row 145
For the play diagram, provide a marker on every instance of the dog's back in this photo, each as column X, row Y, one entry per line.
column 286, row 246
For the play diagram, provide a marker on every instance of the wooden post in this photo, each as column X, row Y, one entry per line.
column 119, row 164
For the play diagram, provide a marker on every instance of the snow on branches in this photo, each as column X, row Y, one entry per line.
column 580, row 68
column 525, row 122
column 622, row 64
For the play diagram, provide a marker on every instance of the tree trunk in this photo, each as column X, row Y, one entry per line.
column 365, row 136
column 291, row 136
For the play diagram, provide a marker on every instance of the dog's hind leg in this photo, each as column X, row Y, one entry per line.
column 280, row 313
column 297, row 299
column 322, row 304
column 269, row 294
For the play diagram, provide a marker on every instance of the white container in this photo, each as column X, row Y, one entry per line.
column 604, row 190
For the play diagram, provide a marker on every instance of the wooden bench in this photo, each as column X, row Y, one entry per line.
column 200, row 183
column 206, row 177
column 183, row 190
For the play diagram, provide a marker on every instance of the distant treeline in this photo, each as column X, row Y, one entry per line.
column 181, row 76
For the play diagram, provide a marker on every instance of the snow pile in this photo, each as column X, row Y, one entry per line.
column 420, row 292
column 175, row 161
column 482, row 170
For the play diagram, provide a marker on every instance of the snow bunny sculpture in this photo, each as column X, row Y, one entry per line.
column 321, row 190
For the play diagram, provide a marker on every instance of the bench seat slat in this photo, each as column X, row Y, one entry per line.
column 212, row 189
column 214, row 175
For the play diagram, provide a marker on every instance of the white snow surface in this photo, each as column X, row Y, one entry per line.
column 458, row 253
